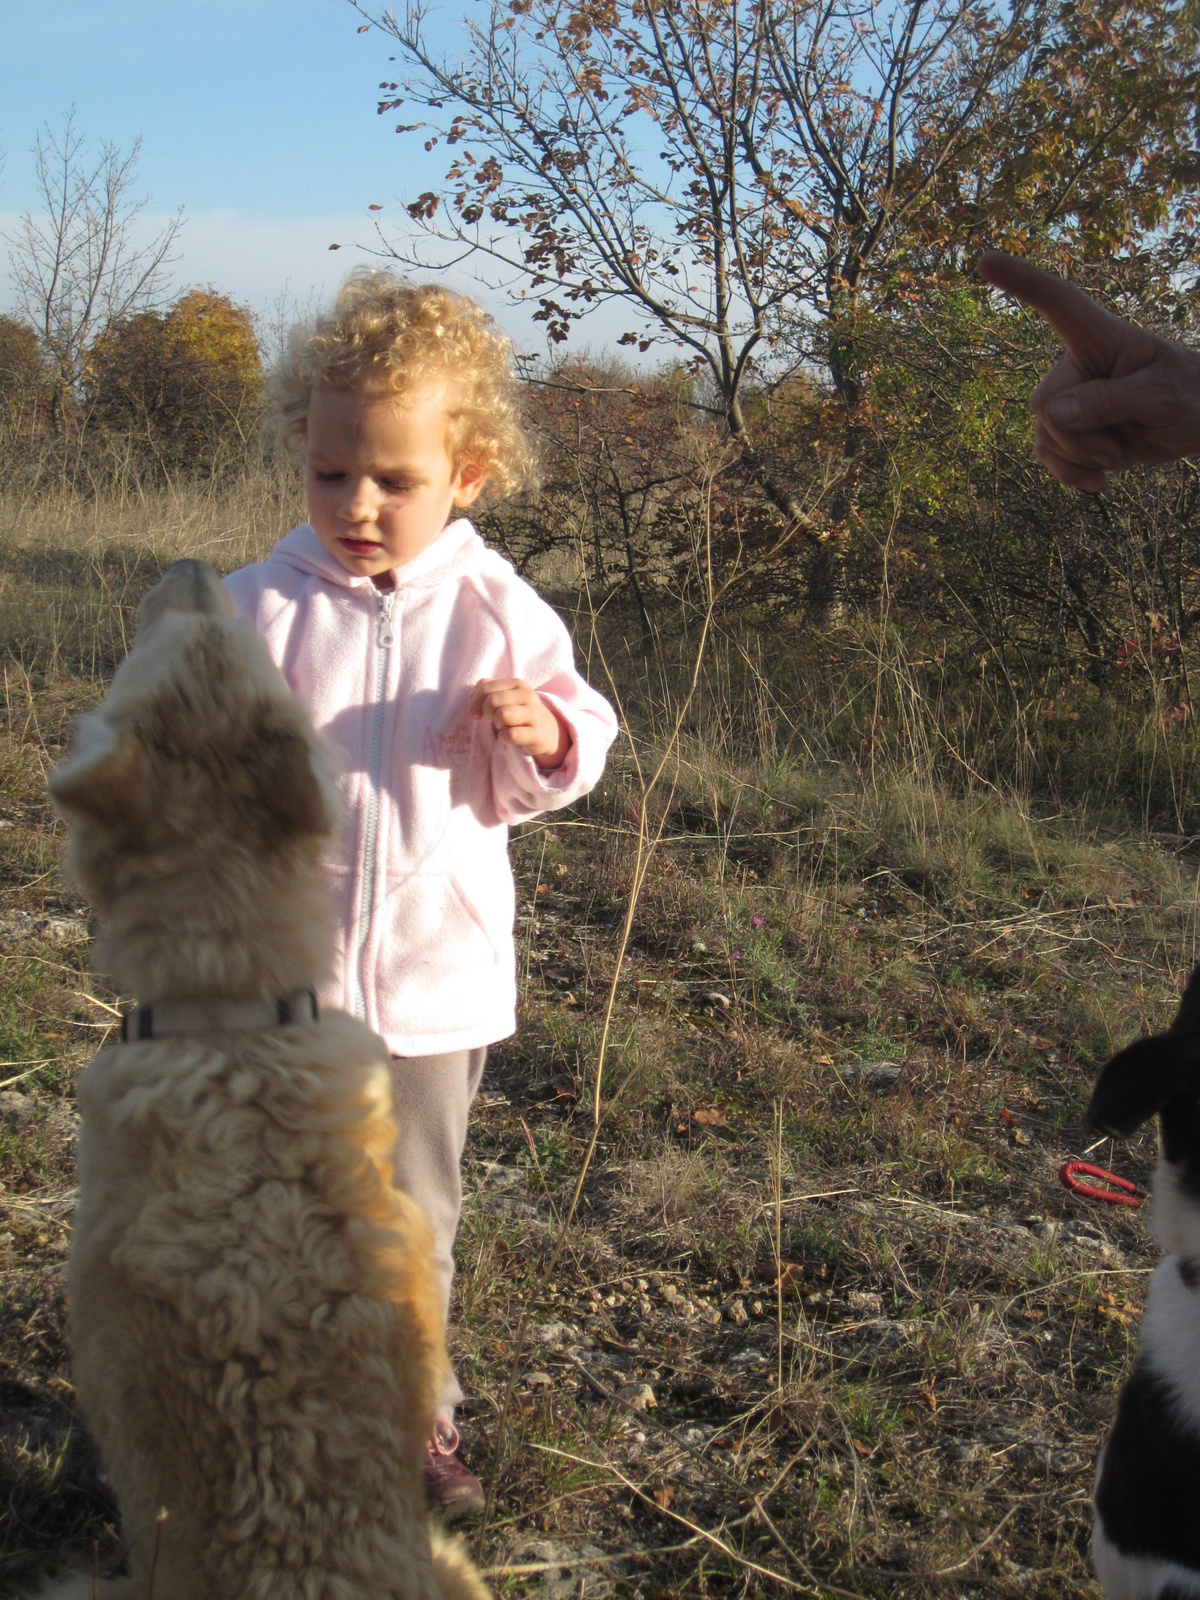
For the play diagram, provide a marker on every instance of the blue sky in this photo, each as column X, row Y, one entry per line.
column 256, row 116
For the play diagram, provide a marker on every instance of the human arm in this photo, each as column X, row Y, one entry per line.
column 538, row 655
column 1117, row 397
column 522, row 718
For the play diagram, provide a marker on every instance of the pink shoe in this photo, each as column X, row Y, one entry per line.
column 449, row 1487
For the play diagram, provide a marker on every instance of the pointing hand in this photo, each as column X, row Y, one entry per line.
column 1117, row 397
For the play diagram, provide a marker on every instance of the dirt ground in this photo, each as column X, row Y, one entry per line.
column 819, row 1318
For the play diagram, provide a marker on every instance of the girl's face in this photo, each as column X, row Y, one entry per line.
column 381, row 482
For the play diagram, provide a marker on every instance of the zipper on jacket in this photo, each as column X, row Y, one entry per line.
column 386, row 599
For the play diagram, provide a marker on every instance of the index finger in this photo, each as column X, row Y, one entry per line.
column 1095, row 337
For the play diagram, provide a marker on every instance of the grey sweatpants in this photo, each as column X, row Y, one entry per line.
column 432, row 1096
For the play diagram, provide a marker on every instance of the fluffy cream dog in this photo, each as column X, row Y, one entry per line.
column 256, row 1333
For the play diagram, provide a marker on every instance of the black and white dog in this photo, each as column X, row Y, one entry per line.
column 1146, row 1542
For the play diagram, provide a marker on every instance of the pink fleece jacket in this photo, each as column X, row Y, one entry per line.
column 424, row 890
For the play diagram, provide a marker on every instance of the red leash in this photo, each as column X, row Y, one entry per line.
column 1068, row 1179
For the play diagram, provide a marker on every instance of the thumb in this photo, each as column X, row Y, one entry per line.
column 1102, row 403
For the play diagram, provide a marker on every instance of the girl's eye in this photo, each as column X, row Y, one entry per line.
column 396, row 488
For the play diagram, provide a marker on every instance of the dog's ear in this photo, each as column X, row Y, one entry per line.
column 1139, row 1081
column 1187, row 1018
column 101, row 777
column 190, row 586
column 294, row 793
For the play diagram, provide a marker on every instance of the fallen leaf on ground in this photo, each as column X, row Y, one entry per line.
column 710, row 1117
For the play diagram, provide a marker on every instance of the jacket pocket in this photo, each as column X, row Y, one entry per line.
column 431, row 933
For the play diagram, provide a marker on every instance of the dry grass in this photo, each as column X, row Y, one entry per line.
column 853, row 1011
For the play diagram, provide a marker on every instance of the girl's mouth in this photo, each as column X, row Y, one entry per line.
column 359, row 547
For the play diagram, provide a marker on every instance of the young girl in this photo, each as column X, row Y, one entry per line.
column 450, row 691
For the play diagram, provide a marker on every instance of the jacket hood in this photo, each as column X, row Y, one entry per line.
column 457, row 546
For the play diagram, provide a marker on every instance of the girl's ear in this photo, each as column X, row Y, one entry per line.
column 101, row 778
column 1140, row 1080
column 469, row 484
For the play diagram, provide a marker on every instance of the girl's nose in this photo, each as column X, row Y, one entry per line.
column 358, row 504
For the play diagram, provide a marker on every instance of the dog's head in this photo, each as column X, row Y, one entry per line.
column 198, row 753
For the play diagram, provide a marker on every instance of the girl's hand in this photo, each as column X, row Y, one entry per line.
column 521, row 717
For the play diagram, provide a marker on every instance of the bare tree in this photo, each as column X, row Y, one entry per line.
column 740, row 173
column 77, row 264
column 712, row 164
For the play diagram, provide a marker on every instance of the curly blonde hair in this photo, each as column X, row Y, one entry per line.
column 388, row 337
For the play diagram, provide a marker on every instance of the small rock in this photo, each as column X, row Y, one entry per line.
column 749, row 1357
column 509, row 1206
column 669, row 1292
column 1082, row 1235
column 556, row 1334
column 538, row 1380
column 498, row 1176
column 966, row 1452
column 863, row 1303
column 734, row 1310
column 565, row 1578
column 889, row 1335
column 878, row 1075
column 638, row 1396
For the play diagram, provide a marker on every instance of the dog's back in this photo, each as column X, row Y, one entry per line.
column 252, row 1313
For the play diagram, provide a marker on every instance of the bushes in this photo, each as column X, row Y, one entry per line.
column 164, row 395
column 185, row 387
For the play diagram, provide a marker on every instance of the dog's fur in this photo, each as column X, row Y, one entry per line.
column 1146, row 1541
column 253, row 1310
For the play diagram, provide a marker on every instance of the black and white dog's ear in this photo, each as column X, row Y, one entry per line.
column 1140, row 1080
column 1187, row 1018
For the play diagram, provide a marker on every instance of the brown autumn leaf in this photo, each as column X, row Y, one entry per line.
column 662, row 1495
column 787, row 1275
column 710, row 1117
